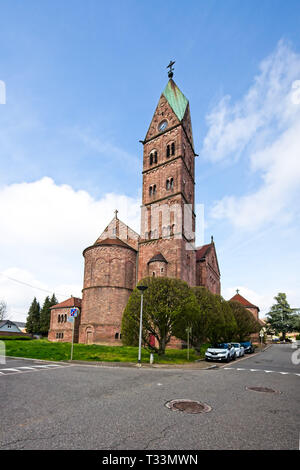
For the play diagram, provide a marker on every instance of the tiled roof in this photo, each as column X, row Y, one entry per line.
column 202, row 251
column 112, row 241
column 158, row 257
column 71, row 302
column 239, row 298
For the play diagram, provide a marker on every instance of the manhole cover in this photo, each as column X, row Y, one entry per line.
column 188, row 406
column 262, row 389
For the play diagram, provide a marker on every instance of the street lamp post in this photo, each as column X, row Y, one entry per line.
column 141, row 289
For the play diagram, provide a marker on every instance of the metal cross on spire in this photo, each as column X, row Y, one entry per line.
column 170, row 66
column 116, row 213
column 237, row 291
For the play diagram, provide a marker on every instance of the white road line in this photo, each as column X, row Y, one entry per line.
column 262, row 370
column 14, row 370
column 25, row 367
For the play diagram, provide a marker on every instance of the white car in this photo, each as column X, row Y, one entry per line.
column 220, row 352
column 239, row 349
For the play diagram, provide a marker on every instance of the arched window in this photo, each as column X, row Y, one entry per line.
column 173, row 148
column 58, row 318
column 168, row 151
column 170, row 183
column 153, row 157
column 65, row 317
column 117, row 336
column 150, row 191
column 154, row 189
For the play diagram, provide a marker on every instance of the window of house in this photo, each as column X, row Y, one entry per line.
column 117, row 336
column 58, row 318
column 154, row 189
column 150, row 191
column 173, row 148
column 153, row 274
column 168, row 151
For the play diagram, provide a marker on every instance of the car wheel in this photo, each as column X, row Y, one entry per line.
column 234, row 357
column 227, row 358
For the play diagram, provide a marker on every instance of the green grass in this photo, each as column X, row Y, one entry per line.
column 47, row 350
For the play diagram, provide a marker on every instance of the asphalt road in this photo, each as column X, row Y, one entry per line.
column 63, row 406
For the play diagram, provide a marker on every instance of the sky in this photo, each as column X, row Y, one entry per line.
column 79, row 83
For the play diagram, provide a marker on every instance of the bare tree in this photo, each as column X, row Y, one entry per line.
column 3, row 310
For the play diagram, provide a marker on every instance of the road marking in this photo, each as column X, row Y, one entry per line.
column 262, row 370
column 36, row 368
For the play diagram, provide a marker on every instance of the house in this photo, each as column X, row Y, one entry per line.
column 8, row 327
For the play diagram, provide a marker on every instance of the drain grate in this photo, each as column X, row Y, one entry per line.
column 188, row 406
column 262, row 389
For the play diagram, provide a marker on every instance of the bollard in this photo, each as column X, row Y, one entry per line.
column 151, row 358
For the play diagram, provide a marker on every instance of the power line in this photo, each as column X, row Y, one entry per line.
column 30, row 285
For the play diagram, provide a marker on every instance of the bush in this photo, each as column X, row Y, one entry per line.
column 14, row 338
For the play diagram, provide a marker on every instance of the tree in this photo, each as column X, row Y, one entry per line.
column 281, row 318
column 204, row 316
column 45, row 314
column 296, row 322
column 164, row 301
column 230, row 326
column 246, row 324
column 3, row 310
column 33, row 318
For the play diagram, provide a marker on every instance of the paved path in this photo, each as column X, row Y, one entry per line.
column 82, row 407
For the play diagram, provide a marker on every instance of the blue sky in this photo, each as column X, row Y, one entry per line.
column 82, row 82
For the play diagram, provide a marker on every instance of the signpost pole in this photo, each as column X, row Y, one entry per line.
column 73, row 327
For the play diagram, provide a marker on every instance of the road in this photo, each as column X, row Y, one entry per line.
column 66, row 406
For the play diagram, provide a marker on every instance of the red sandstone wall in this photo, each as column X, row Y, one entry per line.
column 110, row 274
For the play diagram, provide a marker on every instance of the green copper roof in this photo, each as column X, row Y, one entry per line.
column 176, row 99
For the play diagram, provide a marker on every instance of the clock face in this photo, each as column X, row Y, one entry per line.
column 163, row 125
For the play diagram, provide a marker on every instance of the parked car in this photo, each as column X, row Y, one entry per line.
column 220, row 352
column 239, row 349
column 248, row 347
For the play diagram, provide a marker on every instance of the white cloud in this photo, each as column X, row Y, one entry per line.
column 264, row 127
column 44, row 229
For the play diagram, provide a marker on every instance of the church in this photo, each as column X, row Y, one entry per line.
column 120, row 257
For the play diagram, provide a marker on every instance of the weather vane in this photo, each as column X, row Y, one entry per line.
column 170, row 66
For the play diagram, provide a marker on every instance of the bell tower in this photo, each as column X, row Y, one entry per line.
column 167, row 243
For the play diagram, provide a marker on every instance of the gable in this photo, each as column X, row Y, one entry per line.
column 187, row 125
column 163, row 111
column 212, row 259
column 117, row 229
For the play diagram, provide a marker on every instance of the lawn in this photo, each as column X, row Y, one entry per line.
column 44, row 349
